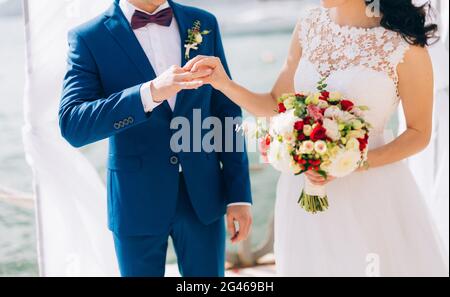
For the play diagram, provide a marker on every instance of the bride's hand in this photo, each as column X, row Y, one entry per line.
column 317, row 179
column 219, row 78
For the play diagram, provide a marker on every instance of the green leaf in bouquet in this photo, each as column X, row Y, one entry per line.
column 323, row 174
column 364, row 108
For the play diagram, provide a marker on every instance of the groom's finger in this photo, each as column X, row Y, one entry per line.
column 187, row 76
column 190, row 85
column 244, row 229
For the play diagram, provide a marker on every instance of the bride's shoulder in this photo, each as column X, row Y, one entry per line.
column 309, row 17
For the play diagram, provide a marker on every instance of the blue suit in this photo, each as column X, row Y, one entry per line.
column 148, row 199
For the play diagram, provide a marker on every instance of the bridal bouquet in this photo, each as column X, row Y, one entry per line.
column 323, row 132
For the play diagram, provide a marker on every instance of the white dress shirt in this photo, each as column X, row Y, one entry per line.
column 162, row 46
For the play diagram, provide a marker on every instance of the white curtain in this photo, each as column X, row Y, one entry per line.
column 431, row 167
column 70, row 196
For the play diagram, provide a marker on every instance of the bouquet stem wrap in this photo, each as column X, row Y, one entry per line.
column 314, row 198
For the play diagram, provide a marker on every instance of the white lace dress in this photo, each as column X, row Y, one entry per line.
column 377, row 224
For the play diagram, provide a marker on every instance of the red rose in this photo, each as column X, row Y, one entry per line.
column 268, row 141
column 301, row 136
column 299, row 126
column 318, row 133
column 347, row 105
column 281, row 108
column 325, row 95
column 307, row 120
column 363, row 142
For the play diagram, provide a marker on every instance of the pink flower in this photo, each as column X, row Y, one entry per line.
column 315, row 112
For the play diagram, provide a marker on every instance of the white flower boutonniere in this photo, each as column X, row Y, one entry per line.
column 195, row 38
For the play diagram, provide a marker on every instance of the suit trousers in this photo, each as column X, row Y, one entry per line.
column 200, row 248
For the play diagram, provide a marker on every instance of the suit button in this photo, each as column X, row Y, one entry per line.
column 174, row 160
column 131, row 120
column 117, row 126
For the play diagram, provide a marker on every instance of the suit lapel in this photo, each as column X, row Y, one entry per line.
column 183, row 26
column 121, row 30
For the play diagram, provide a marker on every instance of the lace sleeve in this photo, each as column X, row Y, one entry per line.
column 397, row 57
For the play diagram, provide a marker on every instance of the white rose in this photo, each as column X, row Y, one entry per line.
column 307, row 129
column 289, row 102
column 325, row 166
column 346, row 116
column 279, row 157
column 307, row 147
column 332, row 128
column 320, row 147
column 333, row 112
column 198, row 38
column 344, row 163
column 335, row 96
column 323, row 104
column 357, row 124
column 356, row 134
column 295, row 167
column 352, row 144
column 358, row 112
column 283, row 123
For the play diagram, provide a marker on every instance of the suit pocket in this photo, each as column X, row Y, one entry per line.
column 130, row 164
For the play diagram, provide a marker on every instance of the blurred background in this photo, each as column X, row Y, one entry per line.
column 256, row 37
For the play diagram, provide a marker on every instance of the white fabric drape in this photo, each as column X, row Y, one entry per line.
column 71, row 198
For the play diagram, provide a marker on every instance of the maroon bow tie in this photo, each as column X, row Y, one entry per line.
column 141, row 19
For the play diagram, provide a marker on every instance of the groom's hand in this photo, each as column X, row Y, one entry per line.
column 239, row 222
column 174, row 80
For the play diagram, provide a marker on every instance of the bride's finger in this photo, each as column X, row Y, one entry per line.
column 191, row 63
column 318, row 183
column 314, row 176
column 206, row 62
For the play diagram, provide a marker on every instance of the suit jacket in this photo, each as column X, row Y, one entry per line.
column 101, row 99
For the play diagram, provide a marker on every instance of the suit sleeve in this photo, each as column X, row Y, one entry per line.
column 86, row 115
column 235, row 163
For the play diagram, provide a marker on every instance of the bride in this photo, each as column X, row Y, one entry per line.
column 378, row 224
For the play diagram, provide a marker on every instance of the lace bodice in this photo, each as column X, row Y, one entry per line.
column 360, row 63
column 333, row 47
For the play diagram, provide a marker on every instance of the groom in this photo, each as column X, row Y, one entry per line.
column 125, row 82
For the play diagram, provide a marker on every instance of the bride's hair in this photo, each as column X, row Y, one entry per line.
column 411, row 21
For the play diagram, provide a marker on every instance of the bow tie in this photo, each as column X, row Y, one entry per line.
column 141, row 19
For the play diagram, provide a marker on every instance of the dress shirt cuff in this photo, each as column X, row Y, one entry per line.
column 239, row 204
column 147, row 98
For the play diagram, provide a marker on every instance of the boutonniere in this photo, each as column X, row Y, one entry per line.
column 195, row 38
